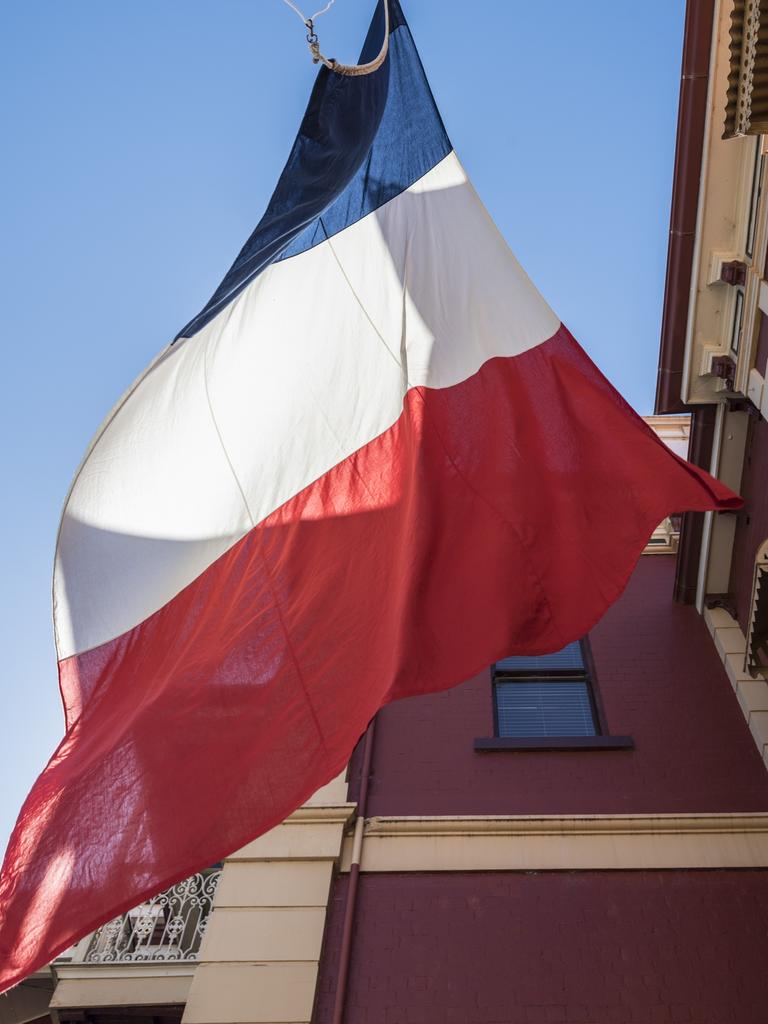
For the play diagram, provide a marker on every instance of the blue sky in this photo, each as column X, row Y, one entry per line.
column 142, row 142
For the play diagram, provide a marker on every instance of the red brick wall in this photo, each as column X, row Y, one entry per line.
column 660, row 681
column 752, row 522
column 616, row 947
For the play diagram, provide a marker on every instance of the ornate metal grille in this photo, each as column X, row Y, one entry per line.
column 757, row 635
column 746, row 107
column 169, row 926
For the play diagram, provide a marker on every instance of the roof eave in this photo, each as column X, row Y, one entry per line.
column 691, row 121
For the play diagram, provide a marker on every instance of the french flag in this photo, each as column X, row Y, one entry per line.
column 375, row 463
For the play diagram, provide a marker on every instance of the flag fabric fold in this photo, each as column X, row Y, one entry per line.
column 374, row 463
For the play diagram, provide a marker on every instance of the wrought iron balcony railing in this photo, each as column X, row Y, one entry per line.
column 167, row 927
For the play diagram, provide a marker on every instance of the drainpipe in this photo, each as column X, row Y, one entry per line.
column 703, row 419
column 354, row 877
column 709, row 517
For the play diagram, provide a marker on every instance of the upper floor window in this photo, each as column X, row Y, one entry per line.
column 546, row 695
column 548, row 702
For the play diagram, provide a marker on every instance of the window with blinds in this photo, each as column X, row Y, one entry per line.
column 548, row 695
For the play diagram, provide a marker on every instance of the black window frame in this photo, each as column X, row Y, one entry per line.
column 583, row 675
column 601, row 740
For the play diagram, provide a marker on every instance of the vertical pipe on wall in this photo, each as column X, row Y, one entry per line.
column 706, row 533
column 354, row 876
column 703, row 420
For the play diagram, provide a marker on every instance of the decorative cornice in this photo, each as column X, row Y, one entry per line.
column 583, row 842
column 137, row 969
column 567, row 825
column 339, row 814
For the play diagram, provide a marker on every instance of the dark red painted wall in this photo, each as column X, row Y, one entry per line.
column 752, row 521
column 761, row 353
column 616, row 947
column 660, row 681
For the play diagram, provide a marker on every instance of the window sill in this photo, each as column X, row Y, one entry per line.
column 493, row 743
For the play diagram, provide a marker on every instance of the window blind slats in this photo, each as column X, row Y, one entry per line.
column 569, row 658
column 544, row 708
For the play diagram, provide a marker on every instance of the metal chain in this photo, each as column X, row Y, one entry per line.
column 329, row 62
column 312, row 40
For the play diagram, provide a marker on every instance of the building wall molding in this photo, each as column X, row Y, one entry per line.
column 563, row 843
column 131, row 985
column 138, row 969
column 554, row 824
column 312, row 815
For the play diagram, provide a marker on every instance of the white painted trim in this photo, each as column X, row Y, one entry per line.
column 308, row 815
column 138, row 969
column 755, row 388
column 566, row 824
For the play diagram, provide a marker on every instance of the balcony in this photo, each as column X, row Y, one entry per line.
column 168, row 927
column 145, row 957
